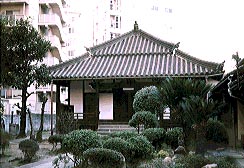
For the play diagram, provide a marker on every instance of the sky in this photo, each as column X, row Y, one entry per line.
column 211, row 30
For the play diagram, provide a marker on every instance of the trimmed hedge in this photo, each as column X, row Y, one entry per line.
column 146, row 118
column 76, row 142
column 171, row 136
column 147, row 99
column 141, row 147
column 55, row 139
column 155, row 135
column 4, row 140
column 124, row 134
column 29, row 148
column 119, row 145
column 103, row 158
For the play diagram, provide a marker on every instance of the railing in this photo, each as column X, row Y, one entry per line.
column 86, row 121
column 60, row 8
column 11, row 19
column 52, row 19
column 8, row 1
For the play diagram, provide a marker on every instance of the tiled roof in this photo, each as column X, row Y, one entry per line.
column 131, row 55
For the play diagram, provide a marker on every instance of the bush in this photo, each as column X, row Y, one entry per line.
column 55, row 139
column 162, row 154
column 103, row 158
column 155, row 163
column 141, row 147
column 147, row 99
column 119, row 145
column 155, row 136
column 192, row 161
column 225, row 162
column 124, row 134
column 146, row 118
column 76, row 142
column 29, row 147
column 171, row 137
column 4, row 140
column 216, row 132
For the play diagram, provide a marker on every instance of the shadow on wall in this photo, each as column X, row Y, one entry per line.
column 36, row 119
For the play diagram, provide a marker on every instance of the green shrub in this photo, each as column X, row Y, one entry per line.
column 145, row 118
column 147, row 99
column 141, row 147
column 192, row 161
column 55, row 139
column 155, row 163
column 171, row 136
column 103, row 158
column 216, row 132
column 155, row 136
column 162, row 154
column 29, row 148
column 225, row 162
column 119, row 145
column 76, row 142
column 124, row 134
column 4, row 140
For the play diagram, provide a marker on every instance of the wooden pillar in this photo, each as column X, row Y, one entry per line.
column 52, row 107
column 69, row 93
column 57, row 106
column 97, row 103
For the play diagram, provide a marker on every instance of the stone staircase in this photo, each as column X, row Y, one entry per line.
column 107, row 128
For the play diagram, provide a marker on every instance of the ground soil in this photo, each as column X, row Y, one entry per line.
column 13, row 156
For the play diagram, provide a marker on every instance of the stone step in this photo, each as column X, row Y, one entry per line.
column 114, row 126
column 109, row 128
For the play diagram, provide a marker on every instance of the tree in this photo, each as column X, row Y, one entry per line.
column 44, row 99
column 148, row 99
column 24, row 50
column 197, row 111
column 175, row 90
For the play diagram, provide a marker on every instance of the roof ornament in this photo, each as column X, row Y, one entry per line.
column 174, row 48
column 136, row 28
column 220, row 67
column 88, row 51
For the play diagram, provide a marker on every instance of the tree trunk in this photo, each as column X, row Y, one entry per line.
column 39, row 132
column 32, row 134
column 22, row 133
column 201, row 139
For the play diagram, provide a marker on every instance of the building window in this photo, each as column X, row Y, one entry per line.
column 117, row 22
column 111, row 5
column 111, row 35
column 71, row 30
column 168, row 10
column 12, row 12
column 71, row 53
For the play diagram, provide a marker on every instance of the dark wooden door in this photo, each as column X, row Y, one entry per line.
column 90, row 116
column 120, row 106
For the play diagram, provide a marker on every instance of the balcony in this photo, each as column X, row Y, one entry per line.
column 57, row 7
column 56, row 47
column 54, row 22
column 12, row 18
column 15, row 1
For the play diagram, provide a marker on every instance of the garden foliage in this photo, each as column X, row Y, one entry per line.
column 155, row 135
column 29, row 148
column 103, row 158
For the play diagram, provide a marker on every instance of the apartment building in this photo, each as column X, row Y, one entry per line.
column 55, row 20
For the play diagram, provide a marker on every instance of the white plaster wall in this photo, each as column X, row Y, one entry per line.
column 76, row 93
column 106, row 106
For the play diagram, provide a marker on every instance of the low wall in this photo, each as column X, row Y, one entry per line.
column 36, row 119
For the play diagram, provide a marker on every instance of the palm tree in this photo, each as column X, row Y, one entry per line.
column 197, row 111
column 175, row 90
